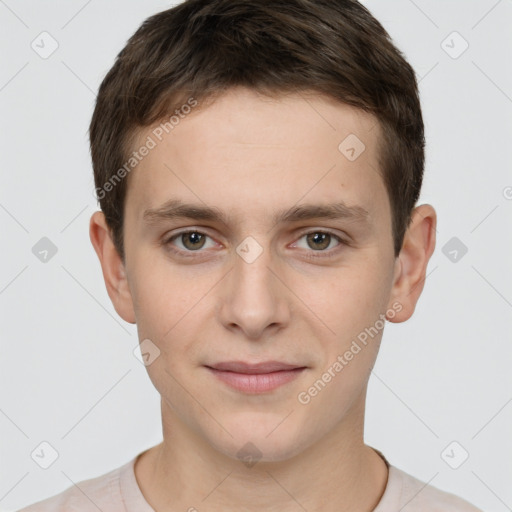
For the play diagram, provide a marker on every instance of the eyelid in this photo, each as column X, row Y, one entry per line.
column 170, row 238
column 341, row 238
column 310, row 230
column 310, row 254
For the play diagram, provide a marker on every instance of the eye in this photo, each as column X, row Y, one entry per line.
column 319, row 241
column 185, row 243
column 191, row 241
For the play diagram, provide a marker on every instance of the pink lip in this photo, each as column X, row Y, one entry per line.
column 264, row 367
column 255, row 378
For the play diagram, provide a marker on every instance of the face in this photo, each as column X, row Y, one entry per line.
column 262, row 274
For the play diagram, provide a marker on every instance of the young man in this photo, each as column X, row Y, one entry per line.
column 258, row 166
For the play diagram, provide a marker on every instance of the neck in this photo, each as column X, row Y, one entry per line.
column 338, row 473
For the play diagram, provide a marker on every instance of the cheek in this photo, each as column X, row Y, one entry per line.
column 163, row 294
column 352, row 311
column 168, row 302
column 349, row 299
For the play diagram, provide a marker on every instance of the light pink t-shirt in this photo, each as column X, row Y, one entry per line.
column 118, row 491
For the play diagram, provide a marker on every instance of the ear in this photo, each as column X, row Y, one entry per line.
column 411, row 264
column 113, row 268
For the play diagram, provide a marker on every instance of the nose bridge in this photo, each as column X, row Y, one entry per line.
column 253, row 268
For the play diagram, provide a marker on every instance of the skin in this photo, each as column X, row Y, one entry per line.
column 250, row 156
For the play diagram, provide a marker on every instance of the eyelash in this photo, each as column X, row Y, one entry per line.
column 324, row 253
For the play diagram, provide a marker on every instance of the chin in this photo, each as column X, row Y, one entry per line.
column 262, row 439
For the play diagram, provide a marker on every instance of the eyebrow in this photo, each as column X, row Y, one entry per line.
column 177, row 209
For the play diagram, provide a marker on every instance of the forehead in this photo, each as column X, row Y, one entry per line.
column 245, row 151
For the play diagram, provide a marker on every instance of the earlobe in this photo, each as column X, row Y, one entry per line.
column 114, row 273
column 411, row 265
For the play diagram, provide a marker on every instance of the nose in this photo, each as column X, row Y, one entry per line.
column 254, row 299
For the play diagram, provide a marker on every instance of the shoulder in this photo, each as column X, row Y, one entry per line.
column 409, row 494
column 99, row 493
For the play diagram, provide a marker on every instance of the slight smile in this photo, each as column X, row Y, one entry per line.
column 255, row 378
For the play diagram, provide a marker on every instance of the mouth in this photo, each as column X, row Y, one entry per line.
column 255, row 378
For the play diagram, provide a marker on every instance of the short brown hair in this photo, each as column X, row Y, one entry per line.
column 201, row 48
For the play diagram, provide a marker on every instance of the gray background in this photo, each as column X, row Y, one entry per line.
column 69, row 375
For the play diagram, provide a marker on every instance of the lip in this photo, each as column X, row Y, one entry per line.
column 255, row 378
column 256, row 368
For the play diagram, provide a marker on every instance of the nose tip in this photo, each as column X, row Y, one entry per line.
column 252, row 298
